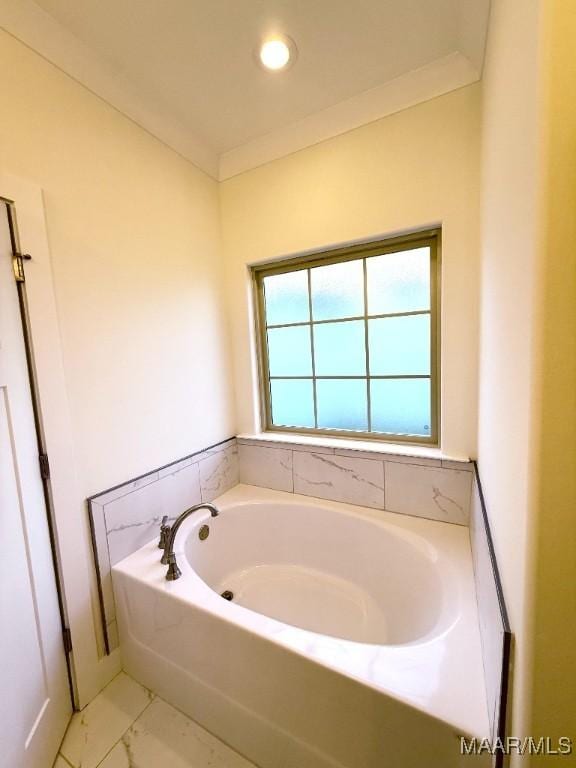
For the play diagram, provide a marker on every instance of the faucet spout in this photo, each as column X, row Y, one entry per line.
column 169, row 558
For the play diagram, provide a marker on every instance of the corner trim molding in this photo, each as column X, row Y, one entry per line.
column 507, row 632
column 435, row 79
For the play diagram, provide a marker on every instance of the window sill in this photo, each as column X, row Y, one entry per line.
column 372, row 446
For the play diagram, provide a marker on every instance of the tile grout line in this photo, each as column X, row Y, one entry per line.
column 387, row 464
column 131, row 724
column 199, row 725
column 384, row 484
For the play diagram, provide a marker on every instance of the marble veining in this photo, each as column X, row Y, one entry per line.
column 266, row 467
column 129, row 516
column 154, row 520
column 218, row 472
column 356, row 481
column 353, row 472
column 127, row 726
column 436, row 493
column 94, row 731
column 449, row 507
column 441, row 495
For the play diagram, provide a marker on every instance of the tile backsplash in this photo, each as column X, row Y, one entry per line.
column 339, row 478
column 426, row 487
column 128, row 516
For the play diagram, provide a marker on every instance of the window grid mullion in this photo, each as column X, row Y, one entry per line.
column 432, row 376
column 350, row 319
column 314, row 395
column 367, row 347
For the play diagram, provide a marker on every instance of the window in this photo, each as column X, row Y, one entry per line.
column 348, row 341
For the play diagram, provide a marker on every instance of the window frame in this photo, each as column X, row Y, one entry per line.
column 428, row 238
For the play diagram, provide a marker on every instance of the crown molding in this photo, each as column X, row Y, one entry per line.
column 30, row 24
column 435, row 79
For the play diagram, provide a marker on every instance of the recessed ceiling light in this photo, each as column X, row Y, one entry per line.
column 277, row 52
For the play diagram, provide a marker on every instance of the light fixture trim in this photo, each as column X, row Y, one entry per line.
column 276, row 53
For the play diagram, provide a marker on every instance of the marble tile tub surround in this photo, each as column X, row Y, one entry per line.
column 492, row 614
column 126, row 726
column 128, row 516
column 423, row 486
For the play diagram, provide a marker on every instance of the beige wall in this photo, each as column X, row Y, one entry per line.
column 134, row 236
column 413, row 169
column 510, row 178
column 527, row 403
column 553, row 623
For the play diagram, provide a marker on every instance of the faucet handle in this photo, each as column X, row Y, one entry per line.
column 173, row 572
column 164, row 533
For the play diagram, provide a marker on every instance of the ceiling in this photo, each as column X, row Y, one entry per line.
column 186, row 71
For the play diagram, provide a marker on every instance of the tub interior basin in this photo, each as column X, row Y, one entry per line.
column 325, row 571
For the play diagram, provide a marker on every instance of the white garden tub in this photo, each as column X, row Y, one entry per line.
column 351, row 639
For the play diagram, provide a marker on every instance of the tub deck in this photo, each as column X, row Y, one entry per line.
column 236, row 671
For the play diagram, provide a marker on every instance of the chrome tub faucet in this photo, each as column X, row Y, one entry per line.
column 168, row 536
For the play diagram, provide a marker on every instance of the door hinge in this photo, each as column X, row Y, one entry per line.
column 44, row 466
column 67, row 636
column 18, row 260
column 18, row 266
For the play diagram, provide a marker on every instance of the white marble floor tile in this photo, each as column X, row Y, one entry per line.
column 162, row 736
column 61, row 763
column 93, row 732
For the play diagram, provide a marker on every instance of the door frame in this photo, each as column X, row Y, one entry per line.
column 89, row 672
column 43, row 468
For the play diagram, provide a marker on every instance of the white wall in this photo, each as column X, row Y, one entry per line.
column 134, row 235
column 410, row 170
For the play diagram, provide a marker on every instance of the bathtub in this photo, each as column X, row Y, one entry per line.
column 350, row 640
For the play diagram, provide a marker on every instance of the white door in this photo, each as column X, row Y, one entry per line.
column 34, row 699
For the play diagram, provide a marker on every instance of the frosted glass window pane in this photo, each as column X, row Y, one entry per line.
column 292, row 402
column 401, row 406
column 341, row 404
column 339, row 349
column 399, row 346
column 289, row 351
column 398, row 282
column 337, row 290
column 287, row 298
